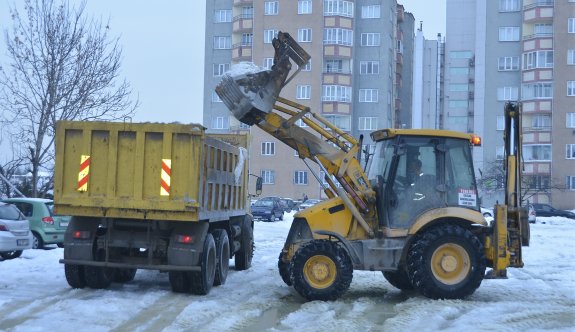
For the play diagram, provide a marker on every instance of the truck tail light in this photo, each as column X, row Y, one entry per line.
column 82, row 235
column 186, row 239
column 48, row 220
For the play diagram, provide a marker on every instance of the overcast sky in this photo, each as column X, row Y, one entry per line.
column 163, row 49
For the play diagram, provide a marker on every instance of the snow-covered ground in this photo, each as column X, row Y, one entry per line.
column 34, row 296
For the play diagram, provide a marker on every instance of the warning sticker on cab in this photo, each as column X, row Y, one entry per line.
column 467, row 197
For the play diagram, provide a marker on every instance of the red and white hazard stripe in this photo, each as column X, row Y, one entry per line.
column 84, row 173
column 165, row 178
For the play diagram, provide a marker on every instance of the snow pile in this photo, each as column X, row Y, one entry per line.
column 244, row 68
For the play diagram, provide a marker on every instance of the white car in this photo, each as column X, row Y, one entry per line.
column 15, row 234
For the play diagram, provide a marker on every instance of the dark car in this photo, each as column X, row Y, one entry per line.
column 268, row 209
column 289, row 204
column 546, row 210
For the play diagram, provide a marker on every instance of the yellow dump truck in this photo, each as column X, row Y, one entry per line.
column 155, row 196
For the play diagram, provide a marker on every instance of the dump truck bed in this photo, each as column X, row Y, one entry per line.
column 147, row 171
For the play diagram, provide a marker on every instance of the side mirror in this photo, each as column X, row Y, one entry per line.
column 259, row 186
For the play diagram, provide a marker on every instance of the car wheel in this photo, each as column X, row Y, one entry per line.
column 11, row 254
column 37, row 242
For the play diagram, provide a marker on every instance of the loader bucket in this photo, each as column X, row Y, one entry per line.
column 250, row 92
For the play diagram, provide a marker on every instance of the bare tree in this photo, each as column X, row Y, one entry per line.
column 63, row 66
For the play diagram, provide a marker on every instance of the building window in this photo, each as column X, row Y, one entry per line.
column 271, row 7
column 268, row 63
column 247, row 39
column 301, row 123
column 459, row 87
column 540, row 152
column 570, row 182
column 337, row 36
column 500, row 122
column 303, row 92
column 300, row 177
column 458, row 103
column 337, row 8
column 304, row 7
column 336, row 93
column 508, row 63
column 221, row 68
column 304, row 35
column 571, row 57
column 368, row 95
column 333, row 66
column 269, row 35
column 370, row 39
column 571, row 25
column 571, row 88
column 220, row 122
column 222, row 16
column 367, row 123
column 222, row 42
column 268, row 176
column 538, row 59
column 509, row 34
column 539, row 182
column 508, row 93
column 499, row 152
column 306, row 67
column 268, row 148
column 537, row 91
column 459, row 71
column 343, row 122
column 541, row 122
column 570, row 151
column 509, row 5
column 373, row 11
column 570, row 120
column 215, row 98
column 369, row 67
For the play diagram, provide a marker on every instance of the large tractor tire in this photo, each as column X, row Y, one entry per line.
column 222, row 256
column 284, row 270
column 243, row 258
column 446, row 262
column 75, row 275
column 321, row 270
column 398, row 279
column 201, row 282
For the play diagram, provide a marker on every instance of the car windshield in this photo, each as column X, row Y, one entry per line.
column 264, row 203
column 10, row 212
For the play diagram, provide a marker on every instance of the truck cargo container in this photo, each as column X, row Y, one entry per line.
column 156, row 196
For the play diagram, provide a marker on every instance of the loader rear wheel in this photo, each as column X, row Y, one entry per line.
column 243, row 257
column 222, row 256
column 321, row 270
column 284, row 269
column 446, row 262
column 398, row 278
column 75, row 275
column 201, row 282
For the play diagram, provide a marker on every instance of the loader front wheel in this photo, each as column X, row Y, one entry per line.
column 284, row 269
column 321, row 270
column 398, row 279
column 446, row 262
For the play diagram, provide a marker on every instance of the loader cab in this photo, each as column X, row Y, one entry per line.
column 415, row 171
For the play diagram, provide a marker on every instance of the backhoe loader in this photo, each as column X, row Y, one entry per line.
column 423, row 230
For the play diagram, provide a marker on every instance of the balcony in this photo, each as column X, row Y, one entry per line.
column 539, row 3
column 539, row 11
column 242, row 51
column 243, row 23
column 242, row 2
column 538, row 35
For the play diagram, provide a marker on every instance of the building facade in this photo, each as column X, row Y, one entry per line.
column 351, row 79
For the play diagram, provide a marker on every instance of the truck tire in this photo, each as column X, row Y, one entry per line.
column 446, row 262
column 124, row 275
column 222, row 256
column 243, row 258
column 99, row 277
column 321, row 270
column 179, row 281
column 284, row 270
column 201, row 282
column 398, row 279
column 75, row 275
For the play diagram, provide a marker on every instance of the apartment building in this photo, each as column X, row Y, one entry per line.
column 513, row 50
column 351, row 79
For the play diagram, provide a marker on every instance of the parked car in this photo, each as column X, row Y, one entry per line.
column 46, row 227
column 268, row 209
column 15, row 235
column 546, row 210
column 289, row 204
column 532, row 214
column 308, row 203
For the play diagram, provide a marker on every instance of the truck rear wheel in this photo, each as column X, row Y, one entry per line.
column 398, row 279
column 321, row 270
column 243, row 258
column 75, row 275
column 201, row 282
column 179, row 281
column 123, row 275
column 99, row 277
column 222, row 256
column 446, row 262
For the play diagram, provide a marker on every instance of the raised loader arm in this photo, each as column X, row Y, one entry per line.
column 253, row 98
